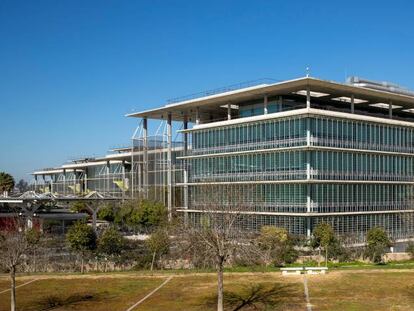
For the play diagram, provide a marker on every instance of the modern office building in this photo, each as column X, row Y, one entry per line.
column 296, row 152
column 301, row 152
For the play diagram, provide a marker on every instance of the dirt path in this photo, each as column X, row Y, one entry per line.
column 149, row 295
column 7, row 290
column 307, row 298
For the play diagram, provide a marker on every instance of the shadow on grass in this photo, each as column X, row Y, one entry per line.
column 53, row 301
column 258, row 296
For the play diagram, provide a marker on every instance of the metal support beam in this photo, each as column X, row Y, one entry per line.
column 107, row 173
column 265, row 102
column 85, row 181
column 145, row 157
column 94, row 209
column 123, row 180
column 169, row 167
column 64, row 182
column 185, row 134
column 74, row 181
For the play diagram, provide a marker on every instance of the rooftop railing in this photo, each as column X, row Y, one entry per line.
column 224, row 89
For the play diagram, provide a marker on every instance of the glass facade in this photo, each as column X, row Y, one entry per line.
column 360, row 172
column 276, row 133
column 345, row 133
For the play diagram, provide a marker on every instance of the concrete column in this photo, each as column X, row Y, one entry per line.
column 390, row 109
column 35, row 183
column 145, row 157
column 197, row 115
column 169, row 167
column 228, row 111
column 308, row 98
column 265, row 101
column 352, row 103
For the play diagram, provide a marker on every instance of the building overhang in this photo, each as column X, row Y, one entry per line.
column 214, row 105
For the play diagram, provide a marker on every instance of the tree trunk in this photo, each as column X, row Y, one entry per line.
column 13, row 288
column 82, row 264
column 153, row 259
column 220, row 285
column 326, row 256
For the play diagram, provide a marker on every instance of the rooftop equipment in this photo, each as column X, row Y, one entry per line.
column 380, row 86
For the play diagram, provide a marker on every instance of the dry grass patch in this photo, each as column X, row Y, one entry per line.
column 363, row 290
column 198, row 292
column 100, row 294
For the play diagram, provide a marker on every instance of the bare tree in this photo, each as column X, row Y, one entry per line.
column 13, row 247
column 217, row 232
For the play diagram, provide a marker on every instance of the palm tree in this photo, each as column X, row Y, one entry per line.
column 6, row 183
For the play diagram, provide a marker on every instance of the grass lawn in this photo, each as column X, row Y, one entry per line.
column 120, row 291
column 363, row 290
column 81, row 293
column 338, row 290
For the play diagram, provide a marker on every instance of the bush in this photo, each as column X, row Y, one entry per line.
column 108, row 212
column 141, row 215
column 276, row 246
column 410, row 249
column 377, row 244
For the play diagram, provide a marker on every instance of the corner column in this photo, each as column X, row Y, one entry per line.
column 308, row 98
column 265, row 102
column 185, row 168
column 145, row 157
column 308, row 179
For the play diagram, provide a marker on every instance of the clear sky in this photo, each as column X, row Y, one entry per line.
column 70, row 70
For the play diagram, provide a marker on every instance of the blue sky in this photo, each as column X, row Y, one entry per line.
column 70, row 70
